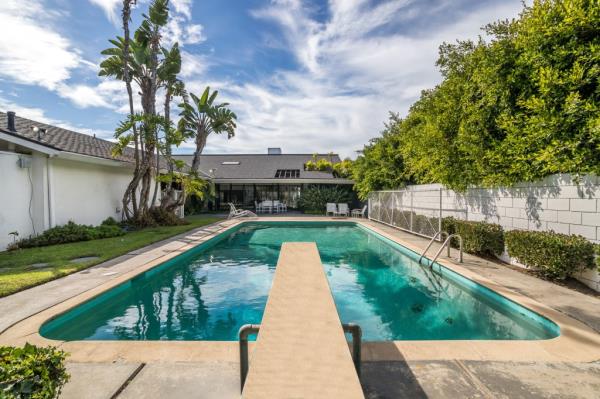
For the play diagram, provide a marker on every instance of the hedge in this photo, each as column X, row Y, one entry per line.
column 554, row 256
column 31, row 372
column 479, row 238
column 315, row 198
column 70, row 232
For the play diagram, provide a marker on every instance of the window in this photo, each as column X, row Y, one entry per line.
column 287, row 174
column 230, row 163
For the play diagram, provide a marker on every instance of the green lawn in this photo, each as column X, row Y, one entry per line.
column 17, row 274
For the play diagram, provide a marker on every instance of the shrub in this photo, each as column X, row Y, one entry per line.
column 32, row 372
column 555, row 256
column 109, row 221
column 479, row 238
column 70, row 232
column 314, row 198
column 162, row 217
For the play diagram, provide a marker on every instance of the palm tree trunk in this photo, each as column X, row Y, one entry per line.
column 201, row 138
column 130, row 194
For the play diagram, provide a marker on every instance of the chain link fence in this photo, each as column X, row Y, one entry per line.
column 416, row 211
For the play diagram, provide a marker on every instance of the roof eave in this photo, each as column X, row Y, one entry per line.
column 24, row 142
column 218, row 180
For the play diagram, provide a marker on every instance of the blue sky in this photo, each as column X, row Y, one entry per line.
column 306, row 76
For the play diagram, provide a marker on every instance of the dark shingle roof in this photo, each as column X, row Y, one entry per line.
column 64, row 139
column 258, row 166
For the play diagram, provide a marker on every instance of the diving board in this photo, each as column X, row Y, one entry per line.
column 301, row 350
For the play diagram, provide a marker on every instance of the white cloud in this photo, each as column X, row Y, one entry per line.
column 32, row 52
column 110, row 8
column 193, row 65
column 178, row 30
column 353, row 72
column 183, row 7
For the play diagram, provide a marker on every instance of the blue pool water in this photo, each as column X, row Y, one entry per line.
column 210, row 291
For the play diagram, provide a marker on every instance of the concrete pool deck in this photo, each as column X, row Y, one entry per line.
column 203, row 362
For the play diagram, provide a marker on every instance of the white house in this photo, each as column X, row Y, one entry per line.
column 52, row 175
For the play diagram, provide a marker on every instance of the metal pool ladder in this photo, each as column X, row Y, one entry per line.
column 446, row 244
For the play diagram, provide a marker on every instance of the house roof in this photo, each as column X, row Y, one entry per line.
column 223, row 166
column 259, row 166
column 63, row 139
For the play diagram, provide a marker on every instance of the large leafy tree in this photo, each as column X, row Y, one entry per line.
column 381, row 165
column 518, row 106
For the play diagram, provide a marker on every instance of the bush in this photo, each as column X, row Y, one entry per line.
column 163, row 217
column 32, row 372
column 109, row 221
column 315, row 198
column 479, row 238
column 70, row 232
column 555, row 256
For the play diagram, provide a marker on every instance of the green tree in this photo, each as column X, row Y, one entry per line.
column 518, row 106
column 381, row 165
column 203, row 117
column 139, row 60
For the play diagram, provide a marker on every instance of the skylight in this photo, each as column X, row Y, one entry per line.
column 230, row 163
column 287, row 174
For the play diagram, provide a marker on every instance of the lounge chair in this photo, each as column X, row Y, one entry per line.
column 238, row 213
column 342, row 209
column 359, row 213
column 331, row 208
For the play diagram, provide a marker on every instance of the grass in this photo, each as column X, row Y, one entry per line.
column 16, row 272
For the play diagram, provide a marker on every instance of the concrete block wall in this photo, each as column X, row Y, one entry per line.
column 561, row 203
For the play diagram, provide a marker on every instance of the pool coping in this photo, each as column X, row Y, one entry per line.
column 577, row 342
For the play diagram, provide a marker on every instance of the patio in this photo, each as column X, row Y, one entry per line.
column 130, row 371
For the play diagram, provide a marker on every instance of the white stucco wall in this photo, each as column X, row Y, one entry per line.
column 15, row 194
column 60, row 190
column 86, row 193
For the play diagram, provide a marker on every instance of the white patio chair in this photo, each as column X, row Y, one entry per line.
column 359, row 213
column 276, row 206
column 282, row 207
column 267, row 206
column 330, row 208
column 342, row 209
column 258, row 207
column 238, row 213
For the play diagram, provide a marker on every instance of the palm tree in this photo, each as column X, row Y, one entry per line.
column 174, row 87
column 203, row 117
column 137, row 60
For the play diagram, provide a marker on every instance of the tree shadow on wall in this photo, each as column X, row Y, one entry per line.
column 484, row 200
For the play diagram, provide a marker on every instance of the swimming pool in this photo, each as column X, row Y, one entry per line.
column 208, row 292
